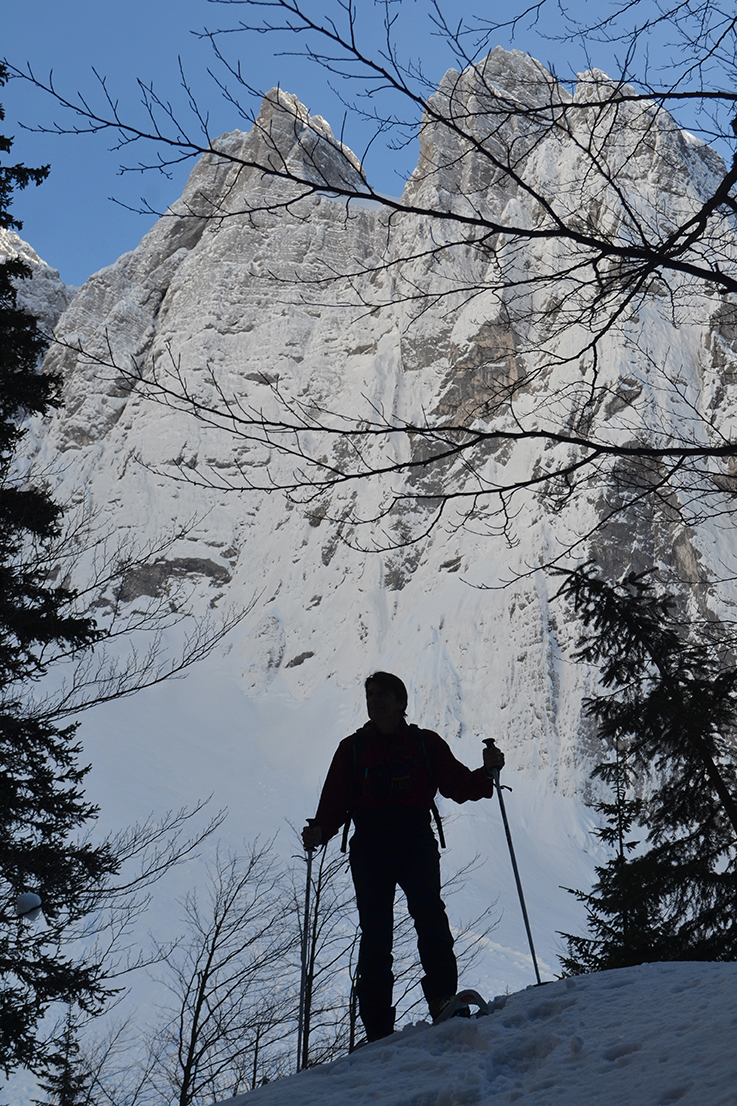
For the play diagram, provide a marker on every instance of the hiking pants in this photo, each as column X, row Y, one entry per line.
column 397, row 846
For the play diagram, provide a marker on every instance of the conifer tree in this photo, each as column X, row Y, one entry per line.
column 622, row 918
column 42, row 805
column 66, row 1082
column 669, row 712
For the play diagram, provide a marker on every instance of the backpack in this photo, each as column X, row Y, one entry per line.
column 358, row 740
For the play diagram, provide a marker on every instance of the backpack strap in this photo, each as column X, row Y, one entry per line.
column 433, row 806
column 438, row 823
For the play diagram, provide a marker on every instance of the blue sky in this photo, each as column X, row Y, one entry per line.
column 71, row 220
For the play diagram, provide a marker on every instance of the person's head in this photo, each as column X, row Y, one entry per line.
column 386, row 701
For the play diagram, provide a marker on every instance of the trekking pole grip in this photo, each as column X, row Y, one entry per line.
column 491, row 743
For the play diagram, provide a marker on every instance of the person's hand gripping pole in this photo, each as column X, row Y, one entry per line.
column 312, row 835
column 493, row 760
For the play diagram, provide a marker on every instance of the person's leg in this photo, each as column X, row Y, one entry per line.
column 375, row 884
column 419, row 878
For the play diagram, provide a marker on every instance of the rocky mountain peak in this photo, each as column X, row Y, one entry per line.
column 229, row 299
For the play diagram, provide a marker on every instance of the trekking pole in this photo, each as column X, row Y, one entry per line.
column 305, row 954
column 498, row 787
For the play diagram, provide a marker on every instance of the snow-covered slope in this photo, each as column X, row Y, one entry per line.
column 646, row 1036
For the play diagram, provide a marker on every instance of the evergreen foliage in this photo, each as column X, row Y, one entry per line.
column 42, row 805
column 66, row 1081
column 669, row 714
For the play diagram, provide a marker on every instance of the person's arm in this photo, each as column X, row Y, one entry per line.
column 333, row 808
column 455, row 780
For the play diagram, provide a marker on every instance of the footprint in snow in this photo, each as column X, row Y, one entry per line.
column 623, row 1048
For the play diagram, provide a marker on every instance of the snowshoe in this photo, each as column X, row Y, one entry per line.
column 460, row 1007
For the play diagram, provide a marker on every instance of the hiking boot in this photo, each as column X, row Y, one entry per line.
column 378, row 1027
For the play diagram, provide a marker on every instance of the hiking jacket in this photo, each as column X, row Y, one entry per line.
column 371, row 770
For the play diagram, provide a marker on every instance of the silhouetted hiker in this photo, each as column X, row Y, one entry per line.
column 385, row 778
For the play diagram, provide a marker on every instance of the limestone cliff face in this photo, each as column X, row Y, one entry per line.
column 224, row 298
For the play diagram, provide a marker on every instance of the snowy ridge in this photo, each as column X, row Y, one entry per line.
column 45, row 295
column 645, row 1036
